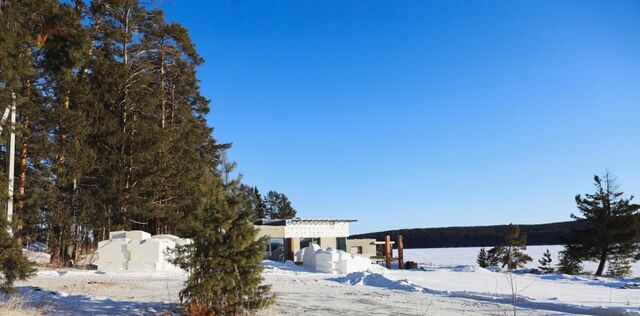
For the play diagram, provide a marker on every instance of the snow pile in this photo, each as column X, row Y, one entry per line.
column 308, row 255
column 468, row 268
column 137, row 251
column 377, row 280
column 37, row 252
column 37, row 256
column 332, row 261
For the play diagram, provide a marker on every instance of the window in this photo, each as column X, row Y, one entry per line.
column 356, row 250
column 275, row 249
column 341, row 243
column 276, row 244
column 305, row 242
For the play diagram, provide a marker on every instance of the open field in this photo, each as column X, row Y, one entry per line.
column 447, row 284
column 468, row 255
column 299, row 292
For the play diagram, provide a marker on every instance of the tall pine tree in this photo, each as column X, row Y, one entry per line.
column 225, row 257
column 613, row 230
column 278, row 206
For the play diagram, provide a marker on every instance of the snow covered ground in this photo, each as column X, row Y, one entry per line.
column 301, row 292
column 448, row 283
column 77, row 292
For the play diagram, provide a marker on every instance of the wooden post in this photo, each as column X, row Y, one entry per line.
column 400, row 250
column 289, row 249
column 388, row 251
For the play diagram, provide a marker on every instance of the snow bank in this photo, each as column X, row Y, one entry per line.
column 36, row 252
column 137, row 251
column 332, row 261
column 37, row 256
column 377, row 280
column 554, row 292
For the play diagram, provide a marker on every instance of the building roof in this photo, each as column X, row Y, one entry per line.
column 284, row 222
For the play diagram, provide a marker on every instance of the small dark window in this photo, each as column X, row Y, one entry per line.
column 341, row 243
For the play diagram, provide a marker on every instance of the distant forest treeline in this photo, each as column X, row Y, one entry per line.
column 477, row 236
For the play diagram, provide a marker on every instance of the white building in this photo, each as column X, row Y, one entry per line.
column 288, row 236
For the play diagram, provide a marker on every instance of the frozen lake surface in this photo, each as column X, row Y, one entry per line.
column 468, row 255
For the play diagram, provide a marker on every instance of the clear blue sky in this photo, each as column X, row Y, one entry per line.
column 408, row 114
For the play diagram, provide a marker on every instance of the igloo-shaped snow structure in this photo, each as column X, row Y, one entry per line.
column 332, row 261
column 137, row 251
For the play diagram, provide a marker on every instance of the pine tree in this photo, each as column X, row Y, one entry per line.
column 483, row 259
column 254, row 201
column 545, row 263
column 569, row 264
column 20, row 34
column 225, row 257
column 613, row 225
column 619, row 266
column 510, row 255
column 278, row 206
column 13, row 264
column 67, row 155
column 112, row 134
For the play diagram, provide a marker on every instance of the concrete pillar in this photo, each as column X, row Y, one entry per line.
column 388, row 251
column 400, row 254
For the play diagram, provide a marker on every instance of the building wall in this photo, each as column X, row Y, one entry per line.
column 328, row 242
column 368, row 247
column 316, row 229
column 271, row 231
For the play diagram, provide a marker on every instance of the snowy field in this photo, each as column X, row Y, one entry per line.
column 299, row 291
column 447, row 283
column 467, row 256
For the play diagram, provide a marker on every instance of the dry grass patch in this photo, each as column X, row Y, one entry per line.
column 16, row 306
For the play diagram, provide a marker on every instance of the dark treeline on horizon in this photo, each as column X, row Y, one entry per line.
column 477, row 236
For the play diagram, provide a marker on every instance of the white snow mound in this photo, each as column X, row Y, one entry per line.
column 332, row 261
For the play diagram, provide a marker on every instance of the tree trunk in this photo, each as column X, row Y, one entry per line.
column 126, row 146
column 163, row 102
column 62, row 137
column 603, row 261
column 22, row 180
column 22, row 177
